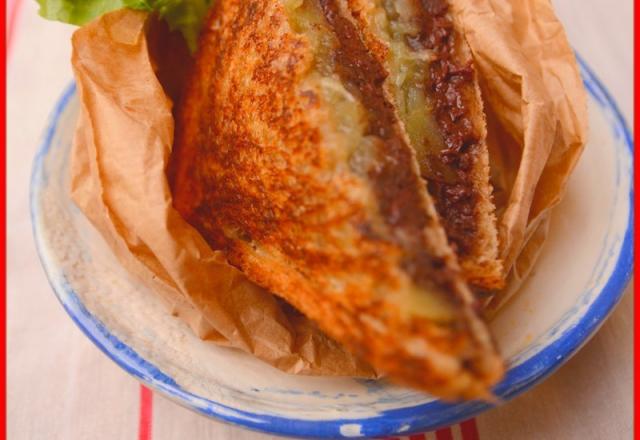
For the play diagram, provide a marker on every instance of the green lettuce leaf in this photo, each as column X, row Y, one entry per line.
column 186, row 16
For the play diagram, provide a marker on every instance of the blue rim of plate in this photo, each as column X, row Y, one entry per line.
column 420, row 418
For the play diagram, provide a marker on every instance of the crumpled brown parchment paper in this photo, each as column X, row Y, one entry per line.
column 129, row 69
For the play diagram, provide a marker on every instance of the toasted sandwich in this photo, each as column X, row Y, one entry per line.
column 345, row 184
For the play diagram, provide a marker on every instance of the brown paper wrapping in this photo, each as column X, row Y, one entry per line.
column 128, row 70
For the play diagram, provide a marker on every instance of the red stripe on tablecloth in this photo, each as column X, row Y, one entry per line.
column 444, row 434
column 146, row 413
column 418, row 437
column 469, row 430
column 13, row 21
column 3, row 226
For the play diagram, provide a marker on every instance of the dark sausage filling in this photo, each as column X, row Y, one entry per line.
column 450, row 87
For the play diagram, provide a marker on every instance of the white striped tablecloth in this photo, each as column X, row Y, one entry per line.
column 61, row 387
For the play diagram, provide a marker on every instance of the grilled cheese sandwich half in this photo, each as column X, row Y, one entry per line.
column 294, row 157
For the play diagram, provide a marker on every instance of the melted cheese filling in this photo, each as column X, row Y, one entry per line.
column 392, row 22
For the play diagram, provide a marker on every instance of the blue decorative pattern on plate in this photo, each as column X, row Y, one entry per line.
column 580, row 277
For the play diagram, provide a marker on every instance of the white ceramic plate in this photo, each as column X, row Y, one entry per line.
column 580, row 277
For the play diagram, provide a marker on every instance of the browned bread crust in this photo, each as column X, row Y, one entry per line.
column 285, row 162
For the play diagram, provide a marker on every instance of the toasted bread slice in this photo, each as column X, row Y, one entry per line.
column 435, row 89
column 291, row 158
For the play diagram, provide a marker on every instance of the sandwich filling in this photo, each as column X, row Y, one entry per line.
column 380, row 150
column 424, row 81
column 434, row 93
column 363, row 76
column 449, row 86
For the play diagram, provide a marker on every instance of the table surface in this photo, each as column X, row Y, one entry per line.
column 61, row 387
